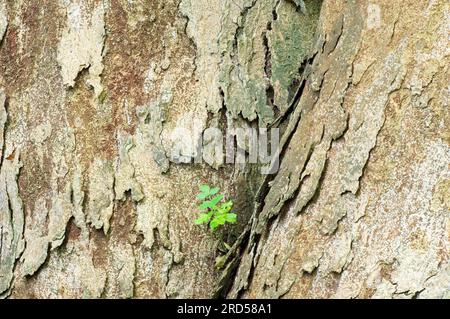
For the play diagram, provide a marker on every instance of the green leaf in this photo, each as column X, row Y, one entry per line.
column 204, row 188
column 216, row 199
column 214, row 191
column 214, row 214
column 204, row 218
column 205, row 205
column 221, row 219
column 213, row 224
column 231, row 218
column 227, row 206
column 202, row 196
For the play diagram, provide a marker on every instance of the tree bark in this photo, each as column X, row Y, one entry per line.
column 93, row 205
column 360, row 206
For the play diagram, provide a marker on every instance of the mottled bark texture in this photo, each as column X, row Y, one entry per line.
column 360, row 206
column 91, row 204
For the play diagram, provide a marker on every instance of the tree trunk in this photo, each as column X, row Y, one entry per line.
column 94, row 204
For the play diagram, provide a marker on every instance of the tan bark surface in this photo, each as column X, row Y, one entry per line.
column 360, row 206
column 91, row 204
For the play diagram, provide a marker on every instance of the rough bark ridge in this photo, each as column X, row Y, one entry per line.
column 91, row 204
column 360, row 206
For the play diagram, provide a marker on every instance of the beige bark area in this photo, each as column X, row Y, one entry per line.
column 92, row 205
column 90, row 92
column 360, row 207
column 88, row 86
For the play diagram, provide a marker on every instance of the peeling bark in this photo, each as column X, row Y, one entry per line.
column 346, row 212
column 94, row 205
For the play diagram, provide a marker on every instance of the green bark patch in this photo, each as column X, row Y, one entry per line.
column 262, row 60
column 290, row 42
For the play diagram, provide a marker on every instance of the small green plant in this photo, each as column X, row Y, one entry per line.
column 213, row 212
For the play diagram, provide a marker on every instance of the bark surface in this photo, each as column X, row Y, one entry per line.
column 92, row 204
